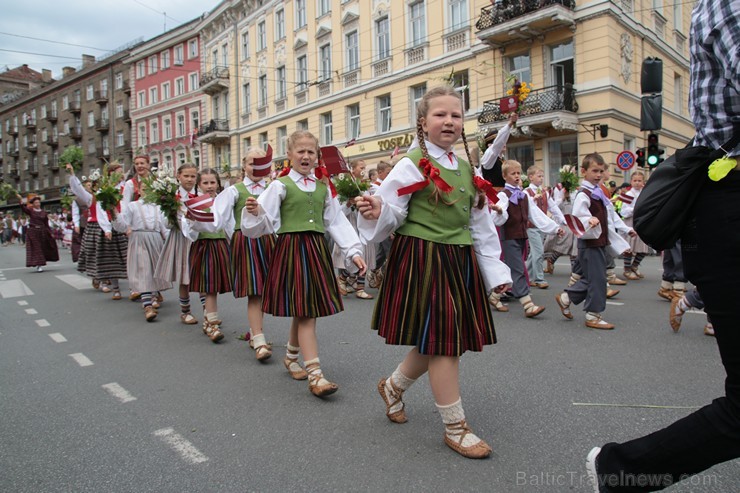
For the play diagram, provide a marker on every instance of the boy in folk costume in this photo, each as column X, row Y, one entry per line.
column 521, row 210
column 543, row 200
column 638, row 248
column 591, row 209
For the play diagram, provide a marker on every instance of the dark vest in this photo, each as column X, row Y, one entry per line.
column 515, row 228
column 540, row 201
column 598, row 210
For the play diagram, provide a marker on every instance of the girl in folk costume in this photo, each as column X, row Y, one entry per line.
column 148, row 227
column 444, row 259
column 300, row 207
column 173, row 264
column 638, row 248
column 103, row 252
column 68, row 229
column 210, row 274
column 40, row 244
column 250, row 257
column 132, row 187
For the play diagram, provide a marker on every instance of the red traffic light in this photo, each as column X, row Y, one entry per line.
column 640, row 153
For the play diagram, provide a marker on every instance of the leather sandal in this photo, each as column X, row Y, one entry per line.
column 106, row 289
column 150, row 313
column 213, row 330
column 314, row 383
column 397, row 396
column 564, row 309
column 263, row 352
column 295, row 369
column 134, row 296
column 495, row 302
column 363, row 295
column 188, row 319
column 480, row 450
column 533, row 310
column 116, row 295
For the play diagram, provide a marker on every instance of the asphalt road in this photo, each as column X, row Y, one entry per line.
column 93, row 399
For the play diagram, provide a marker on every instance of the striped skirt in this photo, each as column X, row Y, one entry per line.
column 250, row 258
column 40, row 246
column 209, row 267
column 636, row 244
column 173, row 265
column 77, row 243
column 433, row 297
column 300, row 279
column 101, row 258
column 144, row 248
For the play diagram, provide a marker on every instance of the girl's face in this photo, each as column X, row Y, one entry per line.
column 637, row 182
column 208, row 184
column 303, row 155
column 249, row 168
column 88, row 186
column 142, row 166
column 443, row 122
column 358, row 171
column 187, row 178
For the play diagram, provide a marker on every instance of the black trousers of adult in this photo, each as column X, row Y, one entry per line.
column 711, row 249
column 673, row 264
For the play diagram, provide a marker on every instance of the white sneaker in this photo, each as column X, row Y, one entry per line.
column 593, row 477
column 39, row 269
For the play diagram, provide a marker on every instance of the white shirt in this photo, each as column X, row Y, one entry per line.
column 395, row 209
column 335, row 222
column 552, row 205
column 628, row 210
column 495, row 149
column 223, row 206
column 87, row 199
column 140, row 216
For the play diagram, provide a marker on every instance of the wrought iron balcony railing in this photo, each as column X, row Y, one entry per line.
column 506, row 10
column 553, row 98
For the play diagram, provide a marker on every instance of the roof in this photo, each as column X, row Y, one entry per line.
column 24, row 72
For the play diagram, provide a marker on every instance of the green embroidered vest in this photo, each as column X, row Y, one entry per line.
column 302, row 211
column 218, row 235
column 241, row 201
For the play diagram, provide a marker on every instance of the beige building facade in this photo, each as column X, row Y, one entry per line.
column 353, row 70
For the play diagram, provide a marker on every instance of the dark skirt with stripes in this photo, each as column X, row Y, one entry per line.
column 300, row 279
column 101, row 258
column 250, row 258
column 433, row 297
column 209, row 267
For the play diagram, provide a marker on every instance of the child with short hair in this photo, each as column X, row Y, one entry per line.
column 638, row 248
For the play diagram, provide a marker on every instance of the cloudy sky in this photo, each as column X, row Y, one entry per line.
column 98, row 26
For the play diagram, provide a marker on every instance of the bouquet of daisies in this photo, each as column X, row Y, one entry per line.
column 348, row 187
column 162, row 189
column 108, row 192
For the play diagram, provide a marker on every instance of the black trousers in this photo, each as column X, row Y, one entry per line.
column 711, row 255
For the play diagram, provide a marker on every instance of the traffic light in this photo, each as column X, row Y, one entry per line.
column 654, row 151
column 640, row 157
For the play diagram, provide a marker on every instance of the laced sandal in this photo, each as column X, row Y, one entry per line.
column 188, row 319
column 564, row 309
column 213, row 330
column 397, row 396
column 314, row 383
column 631, row 275
column 363, row 295
column 495, row 302
column 116, row 295
column 263, row 352
column 599, row 323
column 106, row 289
column 157, row 301
column 150, row 313
column 460, row 430
column 295, row 369
column 533, row 310
column 134, row 296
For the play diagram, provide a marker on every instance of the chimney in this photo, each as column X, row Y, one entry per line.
column 87, row 60
column 67, row 71
column 46, row 75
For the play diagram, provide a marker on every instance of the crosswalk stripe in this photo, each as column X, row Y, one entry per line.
column 76, row 281
column 14, row 288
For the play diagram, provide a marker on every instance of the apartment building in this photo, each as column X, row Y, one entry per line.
column 166, row 106
column 86, row 108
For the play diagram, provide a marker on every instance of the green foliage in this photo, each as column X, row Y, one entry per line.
column 569, row 180
column 7, row 191
column 347, row 187
column 66, row 201
column 109, row 193
column 73, row 155
column 163, row 190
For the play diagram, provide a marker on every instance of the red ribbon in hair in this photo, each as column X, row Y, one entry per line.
column 430, row 172
column 485, row 186
column 321, row 173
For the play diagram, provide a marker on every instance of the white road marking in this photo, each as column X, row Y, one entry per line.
column 57, row 337
column 617, row 303
column 81, row 359
column 14, row 289
column 76, row 281
column 119, row 392
column 42, row 323
column 23, row 303
column 183, row 447
column 16, row 268
column 31, row 311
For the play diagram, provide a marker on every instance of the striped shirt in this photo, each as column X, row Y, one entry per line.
column 714, row 98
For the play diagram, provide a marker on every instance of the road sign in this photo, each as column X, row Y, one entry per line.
column 625, row 160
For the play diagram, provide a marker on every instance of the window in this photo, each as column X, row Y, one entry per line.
column 519, row 66
column 458, row 14
column 153, row 94
column 65, row 102
column 279, row 24
column 559, row 153
column 195, row 154
column 119, row 110
column 216, row 107
column 179, row 86
column 120, row 139
column 43, row 112
column 104, row 112
column 383, row 104
column 300, row 13
column 262, row 91
column 326, row 128
column 194, row 82
column 382, row 38
column 180, row 158
column 325, row 62
column 119, row 80
column 245, row 45
column 246, row 144
column 352, row 49
column 195, row 118
column 263, row 141
column 658, row 6
column 178, row 55
column 165, row 59
column 417, row 92
column 140, row 99
column 417, row 23
column 353, row 121
column 282, row 141
column 90, row 149
column 154, row 132
column 166, row 93
column 678, row 99
column 323, row 7
column 280, row 84
column 302, row 125
column 167, row 128
column 193, row 48
column 180, row 131
column 104, row 87
column 677, row 16
column 140, row 70
column 90, row 118
column 214, row 58
column 561, row 64
column 152, row 64
column 247, row 97
column 89, row 92
column 261, row 36
column 302, row 75
column 225, row 55
column 461, row 85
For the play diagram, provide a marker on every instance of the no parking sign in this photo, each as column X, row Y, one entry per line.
column 625, row 160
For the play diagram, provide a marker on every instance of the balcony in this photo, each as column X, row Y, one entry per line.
column 103, row 153
column 301, row 96
column 52, row 140
column 351, row 78
column 214, row 132
column 51, row 116
column 31, row 123
column 101, row 97
column 215, row 81
column 33, row 169
column 382, row 67
column 13, row 152
column 324, row 88
column 75, row 133
column 510, row 21
column 126, row 88
column 13, row 131
column 54, row 163
column 14, row 173
column 75, row 106
column 547, row 107
column 417, row 54
column 32, row 147
column 102, row 124
column 127, row 116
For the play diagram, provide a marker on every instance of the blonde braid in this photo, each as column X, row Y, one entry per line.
column 422, row 142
